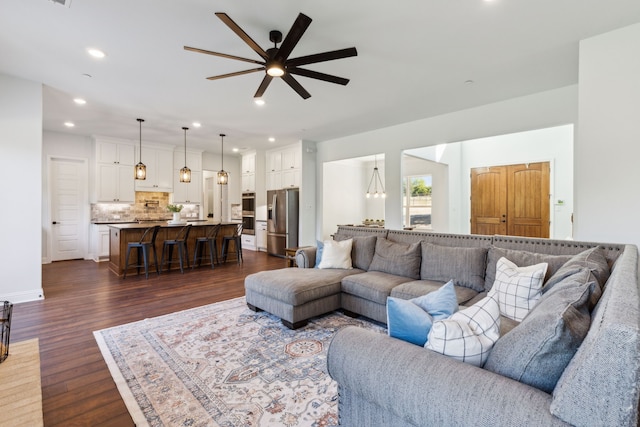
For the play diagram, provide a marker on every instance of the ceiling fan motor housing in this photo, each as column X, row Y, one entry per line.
column 275, row 36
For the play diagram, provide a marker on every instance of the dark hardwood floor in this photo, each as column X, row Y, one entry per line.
column 84, row 296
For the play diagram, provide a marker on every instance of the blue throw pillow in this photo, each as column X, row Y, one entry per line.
column 411, row 320
column 319, row 249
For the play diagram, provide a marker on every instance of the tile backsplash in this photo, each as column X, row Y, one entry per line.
column 148, row 206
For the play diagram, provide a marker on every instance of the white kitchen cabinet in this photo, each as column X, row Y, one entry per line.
column 291, row 158
column 188, row 192
column 115, row 153
column 274, row 161
column 284, row 168
column 248, row 242
column 159, row 171
column 291, row 178
column 249, row 163
column 194, row 160
column 100, row 242
column 248, row 182
column 261, row 236
column 274, row 180
column 115, row 183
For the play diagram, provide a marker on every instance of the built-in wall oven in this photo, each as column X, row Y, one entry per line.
column 248, row 213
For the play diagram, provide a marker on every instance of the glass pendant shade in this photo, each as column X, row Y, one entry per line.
column 140, row 170
column 223, row 177
column 185, row 172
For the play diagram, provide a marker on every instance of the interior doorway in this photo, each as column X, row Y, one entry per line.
column 69, row 201
column 511, row 200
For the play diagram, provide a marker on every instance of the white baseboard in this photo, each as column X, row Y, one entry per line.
column 26, row 296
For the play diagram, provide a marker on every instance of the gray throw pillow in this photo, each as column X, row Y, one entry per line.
column 465, row 266
column 521, row 259
column 396, row 258
column 592, row 259
column 537, row 351
column 362, row 250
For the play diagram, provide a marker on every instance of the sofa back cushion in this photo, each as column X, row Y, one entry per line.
column 521, row 259
column 465, row 266
column 537, row 351
column 362, row 250
column 396, row 258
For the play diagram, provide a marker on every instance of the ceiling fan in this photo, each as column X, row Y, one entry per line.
column 275, row 61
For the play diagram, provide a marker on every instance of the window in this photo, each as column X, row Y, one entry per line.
column 417, row 202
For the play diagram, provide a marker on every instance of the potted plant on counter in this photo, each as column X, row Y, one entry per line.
column 176, row 212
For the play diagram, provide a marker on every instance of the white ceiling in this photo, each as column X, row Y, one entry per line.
column 414, row 57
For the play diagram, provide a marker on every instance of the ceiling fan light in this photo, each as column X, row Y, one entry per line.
column 275, row 70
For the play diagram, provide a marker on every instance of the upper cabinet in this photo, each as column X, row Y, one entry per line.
column 249, row 172
column 284, row 168
column 114, row 171
column 115, row 153
column 249, row 163
column 159, row 164
column 187, row 192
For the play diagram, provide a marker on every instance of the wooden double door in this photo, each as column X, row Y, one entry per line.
column 511, row 200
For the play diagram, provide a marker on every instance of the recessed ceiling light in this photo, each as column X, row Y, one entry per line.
column 96, row 53
column 469, row 82
column 196, row 124
column 259, row 101
column 235, row 150
column 272, row 139
column 79, row 101
column 69, row 124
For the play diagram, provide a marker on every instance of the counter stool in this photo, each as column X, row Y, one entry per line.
column 209, row 240
column 144, row 247
column 236, row 238
column 181, row 242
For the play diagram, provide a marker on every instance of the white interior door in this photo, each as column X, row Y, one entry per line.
column 69, row 200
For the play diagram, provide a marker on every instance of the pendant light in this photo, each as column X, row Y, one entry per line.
column 185, row 172
column 223, row 177
column 375, row 179
column 140, row 169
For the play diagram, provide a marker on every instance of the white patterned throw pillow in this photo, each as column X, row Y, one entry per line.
column 336, row 254
column 469, row 334
column 517, row 289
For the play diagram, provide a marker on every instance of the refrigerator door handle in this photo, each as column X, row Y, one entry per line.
column 275, row 210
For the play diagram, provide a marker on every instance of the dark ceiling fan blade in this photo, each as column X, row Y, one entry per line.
column 288, row 78
column 317, row 75
column 263, row 86
column 237, row 73
column 223, row 55
column 322, row 57
column 240, row 32
column 292, row 38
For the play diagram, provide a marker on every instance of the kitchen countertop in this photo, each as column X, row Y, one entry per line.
column 163, row 224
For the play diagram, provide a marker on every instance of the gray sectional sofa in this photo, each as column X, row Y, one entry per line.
column 384, row 381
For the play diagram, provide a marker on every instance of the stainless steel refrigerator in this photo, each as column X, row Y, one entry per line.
column 282, row 220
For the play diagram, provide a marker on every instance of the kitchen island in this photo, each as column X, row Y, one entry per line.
column 121, row 234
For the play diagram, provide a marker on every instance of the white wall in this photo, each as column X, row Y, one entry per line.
column 541, row 110
column 345, row 186
column 554, row 145
column 21, row 178
column 607, row 150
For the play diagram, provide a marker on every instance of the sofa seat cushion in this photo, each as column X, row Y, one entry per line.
column 416, row 288
column 297, row 286
column 374, row 286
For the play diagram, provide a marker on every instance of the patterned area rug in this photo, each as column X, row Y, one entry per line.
column 224, row 365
